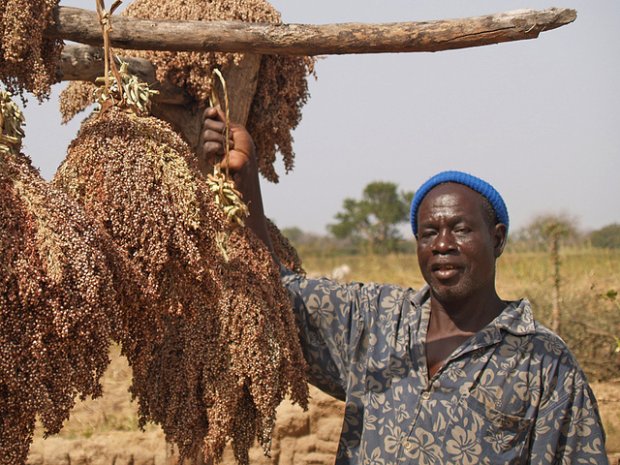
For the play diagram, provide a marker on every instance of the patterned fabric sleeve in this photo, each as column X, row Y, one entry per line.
column 569, row 428
column 330, row 323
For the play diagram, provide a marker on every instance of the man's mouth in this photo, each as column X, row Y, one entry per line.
column 445, row 271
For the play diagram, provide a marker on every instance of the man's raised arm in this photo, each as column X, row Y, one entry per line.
column 241, row 163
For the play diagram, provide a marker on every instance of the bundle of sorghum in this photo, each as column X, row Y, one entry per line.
column 60, row 298
column 28, row 59
column 250, row 279
column 282, row 87
column 229, row 351
column 76, row 97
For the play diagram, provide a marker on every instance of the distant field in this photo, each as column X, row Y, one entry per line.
column 590, row 280
column 517, row 272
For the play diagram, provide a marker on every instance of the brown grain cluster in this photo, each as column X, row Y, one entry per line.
column 282, row 81
column 28, row 59
column 229, row 351
column 76, row 97
column 61, row 297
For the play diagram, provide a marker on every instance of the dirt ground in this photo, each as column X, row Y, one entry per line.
column 608, row 397
column 104, row 431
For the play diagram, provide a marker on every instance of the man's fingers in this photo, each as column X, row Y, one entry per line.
column 213, row 148
column 213, row 135
column 210, row 112
column 213, row 138
column 214, row 125
column 214, row 113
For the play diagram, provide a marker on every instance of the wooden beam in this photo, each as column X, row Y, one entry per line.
column 298, row 39
column 85, row 63
column 173, row 104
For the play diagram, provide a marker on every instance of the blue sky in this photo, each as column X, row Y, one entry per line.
column 539, row 119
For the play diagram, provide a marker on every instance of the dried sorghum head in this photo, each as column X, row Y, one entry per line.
column 227, row 341
column 28, row 59
column 282, row 88
column 61, row 297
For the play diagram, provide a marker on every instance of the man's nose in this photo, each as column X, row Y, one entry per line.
column 444, row 242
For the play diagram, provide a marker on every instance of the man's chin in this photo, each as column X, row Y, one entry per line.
column 448, row 293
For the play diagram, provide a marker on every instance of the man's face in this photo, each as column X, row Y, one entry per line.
column 457, row 247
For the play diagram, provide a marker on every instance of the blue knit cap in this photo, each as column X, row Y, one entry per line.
column 482, row 187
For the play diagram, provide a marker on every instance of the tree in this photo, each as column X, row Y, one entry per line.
column 373, row 220
column 535, row 236
column 607, row 237
column 293, row 234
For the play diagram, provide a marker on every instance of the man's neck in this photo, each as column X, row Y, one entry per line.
column 465, row 317
column 452, row 323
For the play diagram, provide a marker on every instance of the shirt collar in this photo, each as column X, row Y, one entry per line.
column 516, row 318
column 422, row 296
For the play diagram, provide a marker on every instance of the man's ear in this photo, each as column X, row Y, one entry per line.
column 499, row 238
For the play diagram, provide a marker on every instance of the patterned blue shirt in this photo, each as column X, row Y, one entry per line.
column 511, row 394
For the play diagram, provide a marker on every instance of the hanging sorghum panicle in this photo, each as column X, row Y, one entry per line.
column 61, row 294
column 282, row 88
column 229, row 343
column 28, row 59
column 262, row 342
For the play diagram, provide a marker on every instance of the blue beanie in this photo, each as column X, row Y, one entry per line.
column 482, row 187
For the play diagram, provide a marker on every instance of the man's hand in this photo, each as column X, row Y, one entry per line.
column 213, row 138
column 241, row 162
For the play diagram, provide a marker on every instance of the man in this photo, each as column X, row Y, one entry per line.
column 451, row 374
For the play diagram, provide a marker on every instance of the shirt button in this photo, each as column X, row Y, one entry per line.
column 408, row 445
column 426, row 395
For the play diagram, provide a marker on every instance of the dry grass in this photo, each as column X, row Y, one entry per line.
column 590, row 318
